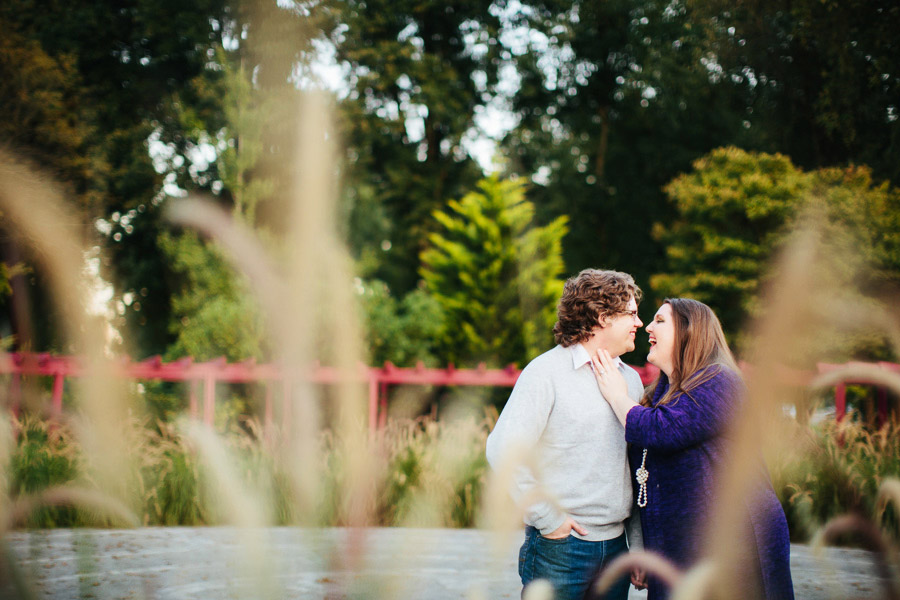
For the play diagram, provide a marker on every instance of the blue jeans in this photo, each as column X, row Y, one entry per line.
column 570, row 564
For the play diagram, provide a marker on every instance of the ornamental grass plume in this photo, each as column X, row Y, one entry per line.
column 810, row 297
column 36, row 209
column 308, row 305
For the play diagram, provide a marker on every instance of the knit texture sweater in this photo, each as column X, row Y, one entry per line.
column 686, row 447
column 568, row 446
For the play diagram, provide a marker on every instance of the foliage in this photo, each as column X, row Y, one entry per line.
column 125, row 64
column 731, row 212
column 48, row 116
column 118, row 102
column 432, row 473
column 837, row 469
column 45, row 456
column 866, row 214
column 735, row 209
column 428, row 474
column 87, row 86
column 149, row 283
column 417, row 75
column 820, row 78
column 219, row 112
column 245, row 112
column 400, row 332
column 5, row 273
column 495, row 276
column 238, row 118
column 615, row 99
column 171, row 479
column 419, row 474
column 213, row 313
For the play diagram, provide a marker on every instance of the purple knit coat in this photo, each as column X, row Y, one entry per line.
column 685, row 447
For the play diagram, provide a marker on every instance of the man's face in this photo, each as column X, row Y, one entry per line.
column 618, row 330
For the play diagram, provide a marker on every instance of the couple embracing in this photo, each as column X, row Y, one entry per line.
column 618, row 466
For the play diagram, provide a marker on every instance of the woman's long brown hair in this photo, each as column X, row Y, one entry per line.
column 700, row 350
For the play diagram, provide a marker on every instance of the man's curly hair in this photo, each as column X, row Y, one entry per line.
column 588, row 297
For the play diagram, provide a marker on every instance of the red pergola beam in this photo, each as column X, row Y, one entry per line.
column 378, row 379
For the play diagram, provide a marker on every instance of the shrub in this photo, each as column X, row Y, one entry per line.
column 426, row 473
column 838, row 469
column 45, row 456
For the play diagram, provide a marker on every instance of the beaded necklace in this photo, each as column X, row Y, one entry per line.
column 642, row 474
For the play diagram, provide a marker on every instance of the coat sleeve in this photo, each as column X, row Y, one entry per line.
column 513, row 441
column 687, row 420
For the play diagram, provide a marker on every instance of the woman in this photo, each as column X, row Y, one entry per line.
column 676, row 446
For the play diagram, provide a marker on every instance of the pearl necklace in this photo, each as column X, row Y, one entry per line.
column 641, row 474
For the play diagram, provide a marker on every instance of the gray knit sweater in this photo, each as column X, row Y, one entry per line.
column 580, row 468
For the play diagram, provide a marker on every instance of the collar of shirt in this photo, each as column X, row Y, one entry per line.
column 580, row 356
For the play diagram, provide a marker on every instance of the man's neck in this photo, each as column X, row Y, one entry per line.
column 593, row 345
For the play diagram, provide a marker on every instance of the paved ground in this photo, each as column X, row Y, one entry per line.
column 218, row 563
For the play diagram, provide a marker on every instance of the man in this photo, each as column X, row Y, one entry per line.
column 578, row 496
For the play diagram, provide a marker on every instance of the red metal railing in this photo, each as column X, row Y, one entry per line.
column 379, row 379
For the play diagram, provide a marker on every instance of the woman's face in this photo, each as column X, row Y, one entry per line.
column 662, row 339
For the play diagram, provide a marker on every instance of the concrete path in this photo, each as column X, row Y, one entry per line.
column 218, row 563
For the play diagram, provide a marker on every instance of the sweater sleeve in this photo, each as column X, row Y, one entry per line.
column 688, row 419
column 516, row 434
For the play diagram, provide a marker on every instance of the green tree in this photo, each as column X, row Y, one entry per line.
column 213, row 313
column 820, row 78
column 731, row 212
column 92, row 88
column 47, row 119
column 615, row 99
column 400, row 331
column 47, row 123
column 495, row 275
column 869, row 214
column 120, row 67
column 418, row 72
column 87, row 85
column 735, row 209
column 229, row 132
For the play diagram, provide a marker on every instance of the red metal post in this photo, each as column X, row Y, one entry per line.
column 382, row 404
column 209, row 399
column 894, row 367
column 373, row 401
column 58, row 384
column 840, row 402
